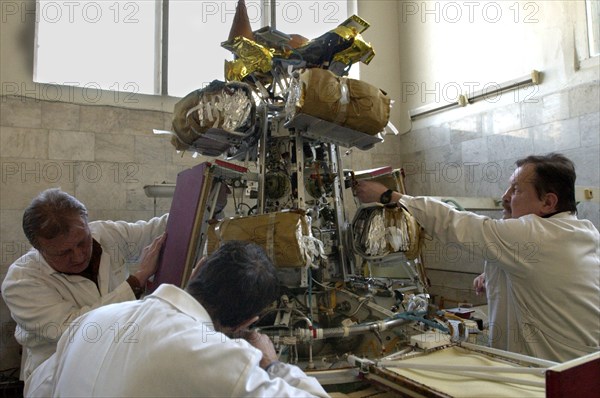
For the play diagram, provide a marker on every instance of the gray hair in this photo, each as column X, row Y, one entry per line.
column 49, row 215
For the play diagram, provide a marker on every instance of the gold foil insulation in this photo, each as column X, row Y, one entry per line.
column 339, row 49
column 359, row 51
column 251, row 57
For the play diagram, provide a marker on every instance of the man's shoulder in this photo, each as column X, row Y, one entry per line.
column 561, row 223
column 30, row 267
column 31, row 260
column 564, row 218
column 103, row 229
column 101, row 224
column 122, row 227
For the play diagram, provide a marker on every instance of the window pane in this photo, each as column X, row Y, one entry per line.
column 310, row 18
column 97, row 44
column 196, row 31
column 197, row 28
column 593, row 25
column 313, row 18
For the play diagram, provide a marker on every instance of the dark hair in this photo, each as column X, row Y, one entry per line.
column 235, row 283
column 554, row 173
column 50, row 214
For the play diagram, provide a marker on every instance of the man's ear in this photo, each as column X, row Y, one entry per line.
column 550, row 203
column 245, row 324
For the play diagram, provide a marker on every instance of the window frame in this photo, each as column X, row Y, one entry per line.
column 161, row 81
column 592, row 21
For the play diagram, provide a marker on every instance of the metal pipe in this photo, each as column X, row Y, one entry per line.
column 462, row 368
column 320, row 334
column 161, row 43
column 464, row 99
column 262, row 147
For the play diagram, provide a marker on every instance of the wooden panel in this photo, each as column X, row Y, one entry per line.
column 577, row 378
column 183, row 226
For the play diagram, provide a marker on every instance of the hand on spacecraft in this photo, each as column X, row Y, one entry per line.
column 149, row 262
column 370, row 191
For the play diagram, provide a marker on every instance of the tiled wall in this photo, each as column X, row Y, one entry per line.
column 103, row 155
column 475, row 156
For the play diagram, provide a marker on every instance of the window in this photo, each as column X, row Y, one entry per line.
column 118, row 45
column 97, row 44
column 196, row 30
column 593, row 26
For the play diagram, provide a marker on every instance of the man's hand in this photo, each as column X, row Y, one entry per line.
column 370, row 191
column 149, row 262
column 479, row 284
column 264, row 344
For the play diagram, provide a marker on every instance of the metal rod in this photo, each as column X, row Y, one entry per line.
column 262, row 145
column 532, row 78
column 346, row 262
column 485, row 376
column 273, row 14
column 431, row 109
column 319, row 334
column 460, row 368
column 464, row 99
column 508, row 354
column 162, row 43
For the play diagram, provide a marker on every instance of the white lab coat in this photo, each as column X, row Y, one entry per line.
column 501, row 310
column 547, row 297
column 43, row 302
column 164, row 345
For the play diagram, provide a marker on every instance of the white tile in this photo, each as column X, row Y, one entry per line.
column 71, row 145
column 17, row 142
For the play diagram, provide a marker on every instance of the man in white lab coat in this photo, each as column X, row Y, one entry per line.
column 73, row 267
column 495, row 283
column 180, row 343
column 548, row 304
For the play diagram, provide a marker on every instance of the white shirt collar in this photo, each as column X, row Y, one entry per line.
column 181, row 300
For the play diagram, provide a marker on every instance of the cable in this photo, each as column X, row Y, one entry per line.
column 245, row 204
column 418, row 316
column 327, row 288
column 366, row 300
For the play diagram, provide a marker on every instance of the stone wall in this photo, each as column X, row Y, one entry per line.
column 475, row 156
column 103, row 155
